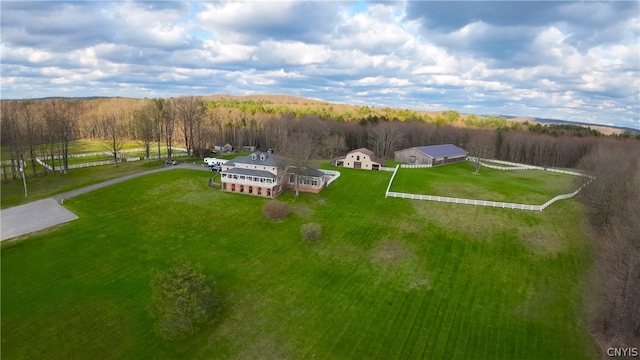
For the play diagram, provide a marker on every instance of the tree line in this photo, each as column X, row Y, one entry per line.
column 612, row 200
column 47, row 129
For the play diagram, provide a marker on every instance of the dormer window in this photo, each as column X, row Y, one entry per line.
column 253, row 156
column 262, row 157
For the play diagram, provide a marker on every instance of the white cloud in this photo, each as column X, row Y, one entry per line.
column 551, row 66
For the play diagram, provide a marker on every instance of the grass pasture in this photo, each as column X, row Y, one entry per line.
column 390, row 278
column 40, row 187
column 531, row 187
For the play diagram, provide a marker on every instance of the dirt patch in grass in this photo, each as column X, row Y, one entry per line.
column 301, row 209
column 542, row 241
column 321, row 202
column 391, row 253
column 399, row 266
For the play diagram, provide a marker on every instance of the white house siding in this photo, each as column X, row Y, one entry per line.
column 355, row 158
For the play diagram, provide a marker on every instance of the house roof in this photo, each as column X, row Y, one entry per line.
column 371, row 154
column 260, row 158
column 221, row 143
column 249, row 172
column 307, row 172
column 439, row 151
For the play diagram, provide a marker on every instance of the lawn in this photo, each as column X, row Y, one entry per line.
column 531, row 187
column 390, row 278
column 40, row 187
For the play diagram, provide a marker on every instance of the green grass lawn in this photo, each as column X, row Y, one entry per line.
column 532, row 187
column 40, row 187
column 390, row 278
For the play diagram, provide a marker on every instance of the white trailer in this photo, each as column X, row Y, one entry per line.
column 214, row 161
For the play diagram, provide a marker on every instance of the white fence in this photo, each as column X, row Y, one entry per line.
column 566, row 196
column 415, row 166
column 488, row 203
column 44, row 164
column 392, row 177
column 517, row 166
column 334, row 175
column 382, row 168
column 465, row 201
column 8, row 166
column 177, row 152
column 95, row 163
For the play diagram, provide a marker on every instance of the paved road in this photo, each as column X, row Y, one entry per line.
column 41, row 214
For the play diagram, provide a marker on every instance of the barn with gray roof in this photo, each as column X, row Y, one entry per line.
column 431, row 155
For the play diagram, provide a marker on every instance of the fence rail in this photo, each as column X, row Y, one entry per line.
column 390, row 169
column 334, row 175
column 465, row 201
column 517, row 166
column 415, row 166
column 488, row 203
column 95, row 163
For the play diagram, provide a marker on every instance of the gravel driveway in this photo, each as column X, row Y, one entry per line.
column 41, row 214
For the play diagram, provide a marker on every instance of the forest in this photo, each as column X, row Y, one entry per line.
column 308, row 129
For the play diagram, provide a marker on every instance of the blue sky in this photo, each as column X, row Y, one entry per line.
column 567, row 60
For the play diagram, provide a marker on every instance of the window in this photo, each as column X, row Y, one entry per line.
column 233, row 187
column 250, row 189
column 358, row 158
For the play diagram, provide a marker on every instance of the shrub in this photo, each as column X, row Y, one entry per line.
column 181, row 300
column 275, row 210
column 311, row 231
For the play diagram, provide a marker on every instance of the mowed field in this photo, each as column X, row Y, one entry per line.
column 531, row 187
column 390, row 278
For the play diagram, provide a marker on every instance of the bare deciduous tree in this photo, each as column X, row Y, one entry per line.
column 481, row 146
column 113, row 135
column 190, row 111
column 145, row 128
column 62, row 119
column 383, row 138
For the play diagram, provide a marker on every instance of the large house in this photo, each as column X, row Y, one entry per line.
column 431, row 155
column 361, row 159
column 265, row 174
column 260, row 174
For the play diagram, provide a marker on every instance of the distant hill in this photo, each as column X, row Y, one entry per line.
column 296, row 101
column 605, row 129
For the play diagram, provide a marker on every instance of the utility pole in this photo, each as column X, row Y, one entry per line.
column 24, row 180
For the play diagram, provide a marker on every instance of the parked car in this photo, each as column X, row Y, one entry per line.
column 215, row 167
column 170, row 162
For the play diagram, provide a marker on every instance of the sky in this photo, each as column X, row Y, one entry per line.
column 577, row 61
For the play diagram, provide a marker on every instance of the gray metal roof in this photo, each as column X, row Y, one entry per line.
column 440, row 151
column 307, row 172
column 249, row 172
column 261, row 158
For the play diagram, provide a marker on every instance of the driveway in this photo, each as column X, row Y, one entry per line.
column 42, row 214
